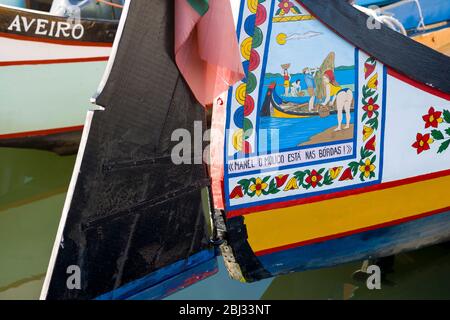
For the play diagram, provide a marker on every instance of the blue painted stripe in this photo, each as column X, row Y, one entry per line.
column 375, row 243
column 383, row 122
column 178, row 282
column 155, row 279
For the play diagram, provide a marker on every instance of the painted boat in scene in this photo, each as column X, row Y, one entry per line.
column 307, row 196
column 272, row 107
column 48, row 68
column 293, row 106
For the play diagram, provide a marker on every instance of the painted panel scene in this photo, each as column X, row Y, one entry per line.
column 309, row 83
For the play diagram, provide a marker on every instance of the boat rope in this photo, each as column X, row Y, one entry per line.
column 394, row 24
column 422, row 20
column 421, row 24
column 385, row 18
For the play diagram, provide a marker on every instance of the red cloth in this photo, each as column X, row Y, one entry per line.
column 206, row 49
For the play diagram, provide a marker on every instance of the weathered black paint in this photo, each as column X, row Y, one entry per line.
column 237, row 236
column 133, row 210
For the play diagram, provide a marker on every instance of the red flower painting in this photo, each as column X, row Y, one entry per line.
column 370, row 145
column 237, row 193
column 368, row 69
column 433, row 118
column 281, row 179
column 346, row 175
column 371, row 107
column 313, row 179
column 285, row 5
column 422, row 142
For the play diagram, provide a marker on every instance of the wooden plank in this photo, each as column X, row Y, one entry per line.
column 437, row 40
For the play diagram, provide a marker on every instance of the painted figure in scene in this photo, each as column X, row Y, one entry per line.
column 341, row 98
column 287, row 82
column 296, row 89
column 310, row 87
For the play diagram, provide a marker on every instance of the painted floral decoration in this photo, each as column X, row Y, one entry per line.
column 367, row 132
column 373, row 82
column 369, row 67
column 371, row 107
column 335, row 172
column 368, row 168
column 422, row 142
column 314, row 178
column 258, row 186
column 286, row 6
column 435, row 120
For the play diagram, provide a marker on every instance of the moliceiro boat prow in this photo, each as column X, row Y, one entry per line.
column 332, row 145
column 140, row 229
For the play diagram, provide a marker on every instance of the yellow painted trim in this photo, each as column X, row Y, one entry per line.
column 292, row 18
column 280, row 227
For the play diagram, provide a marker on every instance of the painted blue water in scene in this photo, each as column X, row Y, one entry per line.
column 295, row 131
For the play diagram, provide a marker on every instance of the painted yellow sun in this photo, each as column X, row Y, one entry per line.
column 281, row 38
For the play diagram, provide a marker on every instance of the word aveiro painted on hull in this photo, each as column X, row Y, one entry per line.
column 45, row 27
column 30, row 25
column 310, row 116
